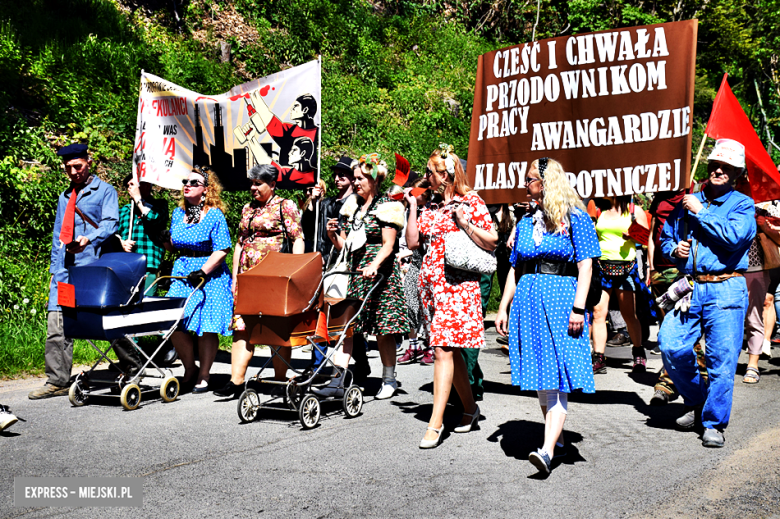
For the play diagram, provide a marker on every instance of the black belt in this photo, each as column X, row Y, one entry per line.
column 555, row 268
column 194, row 253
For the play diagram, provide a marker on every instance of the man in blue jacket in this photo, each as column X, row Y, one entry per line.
column 708, row 236
column 87, row 214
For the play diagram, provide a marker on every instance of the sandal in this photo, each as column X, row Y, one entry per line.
column 752, row 376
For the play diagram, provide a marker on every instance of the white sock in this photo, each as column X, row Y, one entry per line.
column 413, row 344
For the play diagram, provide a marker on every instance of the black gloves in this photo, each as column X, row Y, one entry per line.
column 194, row 277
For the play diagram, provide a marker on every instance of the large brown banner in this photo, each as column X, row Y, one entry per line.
column 614, row 107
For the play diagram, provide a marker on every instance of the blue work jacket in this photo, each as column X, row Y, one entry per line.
column 722, row 232
column 99, row 202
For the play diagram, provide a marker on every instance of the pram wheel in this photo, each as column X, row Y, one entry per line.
column 309, row 412
column 353, row 401
column 130, row 397
column 169, row 389
column 248, row 404
column 76, row 395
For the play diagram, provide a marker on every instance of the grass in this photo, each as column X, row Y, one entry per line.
column 23, row 343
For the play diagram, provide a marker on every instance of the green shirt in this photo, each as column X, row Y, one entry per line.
column 146, row 229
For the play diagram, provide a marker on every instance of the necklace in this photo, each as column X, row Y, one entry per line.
column 359, row 221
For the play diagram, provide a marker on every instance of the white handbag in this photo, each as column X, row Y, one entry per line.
column 335, row 285
column 462, row 253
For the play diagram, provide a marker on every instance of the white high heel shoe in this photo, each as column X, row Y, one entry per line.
column 466, row 428
column 430, row 444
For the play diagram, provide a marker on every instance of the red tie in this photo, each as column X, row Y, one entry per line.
column 66, row 232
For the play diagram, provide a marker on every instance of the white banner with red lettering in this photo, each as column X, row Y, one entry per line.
column 272, row 120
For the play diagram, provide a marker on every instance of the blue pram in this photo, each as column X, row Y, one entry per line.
column 111, row 306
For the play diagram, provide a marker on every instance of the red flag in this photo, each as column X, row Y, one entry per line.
column 417, row 191
column 728, row 121
column 322, row 327
column 401, row 170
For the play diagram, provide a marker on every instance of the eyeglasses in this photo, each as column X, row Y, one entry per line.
column 531, row 180
column 193, row 182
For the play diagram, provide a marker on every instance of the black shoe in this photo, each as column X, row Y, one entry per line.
column 230, row 390
column 619, row 339
column 166, row 358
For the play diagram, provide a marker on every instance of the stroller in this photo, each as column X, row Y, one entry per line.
column 110, row 306
column 281, row 300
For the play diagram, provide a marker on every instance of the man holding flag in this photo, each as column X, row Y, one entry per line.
column 708, row 236
column 87, row 214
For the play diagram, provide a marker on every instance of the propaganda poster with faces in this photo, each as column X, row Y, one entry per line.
column 272, row 120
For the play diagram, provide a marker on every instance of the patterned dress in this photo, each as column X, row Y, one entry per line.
column 450, row 298
column 261, row 231
column 211, row 307
column 541, row 353
column 385, row 310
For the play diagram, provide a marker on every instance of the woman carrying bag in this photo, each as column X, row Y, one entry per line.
column 450, row 297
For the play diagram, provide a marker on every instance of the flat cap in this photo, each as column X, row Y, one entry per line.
column 74, row 151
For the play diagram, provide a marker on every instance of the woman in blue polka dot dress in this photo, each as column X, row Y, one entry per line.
column 199, row 231
column 549, row 348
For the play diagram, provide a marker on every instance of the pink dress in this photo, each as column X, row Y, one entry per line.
column 450, row 298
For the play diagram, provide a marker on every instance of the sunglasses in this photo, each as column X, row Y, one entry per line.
column 530, row 180
column 194, row 183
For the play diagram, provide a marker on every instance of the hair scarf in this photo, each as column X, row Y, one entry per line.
column 194, row 212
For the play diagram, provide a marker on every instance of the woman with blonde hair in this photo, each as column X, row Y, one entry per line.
column 199, row 231
column 369, row 228
column 450, row 298
column 552, row 258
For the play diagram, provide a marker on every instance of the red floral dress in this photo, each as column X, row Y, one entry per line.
column 450, row 298
column 261, row 231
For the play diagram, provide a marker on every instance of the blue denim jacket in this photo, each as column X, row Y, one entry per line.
column 99, row 202
column 722, row 230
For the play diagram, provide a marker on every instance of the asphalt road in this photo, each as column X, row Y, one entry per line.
column 625, row 458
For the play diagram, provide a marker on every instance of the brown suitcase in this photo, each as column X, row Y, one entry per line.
column 280, row 285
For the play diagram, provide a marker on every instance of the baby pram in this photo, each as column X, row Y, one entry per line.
column 111, row 306
column 280, row 301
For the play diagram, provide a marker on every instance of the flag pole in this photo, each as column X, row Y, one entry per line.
column 319, row 161
column 698, row 157
column 135, row 172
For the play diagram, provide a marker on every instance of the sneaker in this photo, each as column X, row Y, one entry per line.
column 713, row 438
column 621, row 338
column 776, row 338
column 660, row 397
column 427, row 358
column 7, row 419
column 540, row 460
column 48, row 391
column 504, row 341
column 688, row 420
column 387, row 390
column 599, row 363
column 656, row 351
column 640, row 365
column 410, row 356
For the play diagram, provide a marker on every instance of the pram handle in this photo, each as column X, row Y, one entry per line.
column 160, row 278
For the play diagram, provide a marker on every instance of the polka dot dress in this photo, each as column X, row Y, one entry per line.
column 542, row 354
column 211, row 308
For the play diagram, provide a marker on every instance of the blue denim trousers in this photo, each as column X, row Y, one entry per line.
column 718, row 308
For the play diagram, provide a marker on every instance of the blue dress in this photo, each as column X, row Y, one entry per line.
column 211, row 308
column 542, row 354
